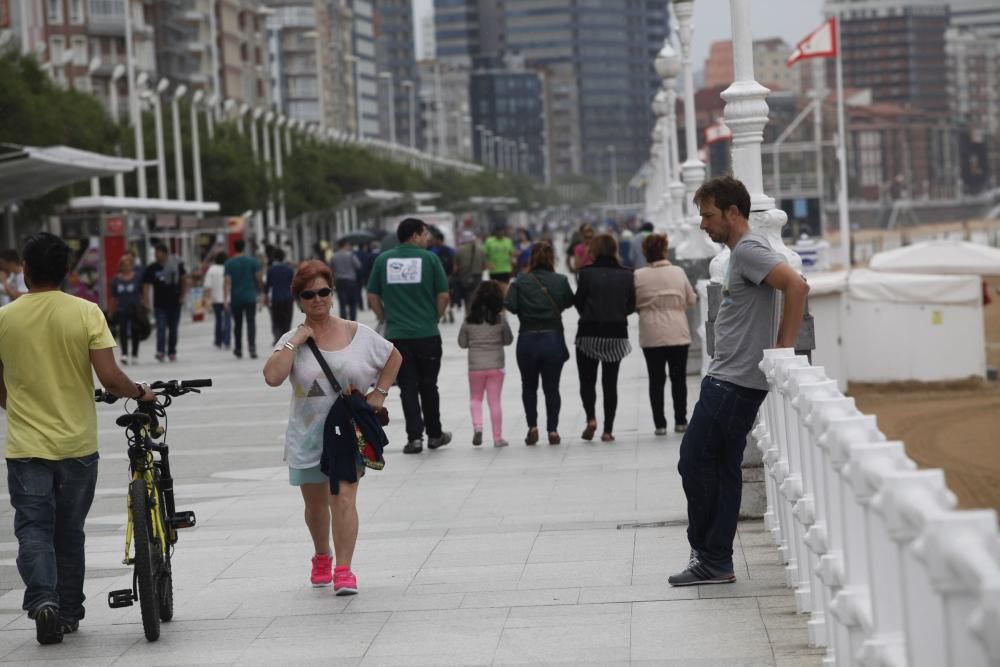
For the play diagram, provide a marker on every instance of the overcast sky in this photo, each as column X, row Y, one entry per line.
column 789, row 19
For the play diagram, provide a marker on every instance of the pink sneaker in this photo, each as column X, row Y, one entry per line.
column 321, row 566
column 344, row 581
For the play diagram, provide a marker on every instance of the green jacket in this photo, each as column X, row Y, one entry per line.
column 538, row 298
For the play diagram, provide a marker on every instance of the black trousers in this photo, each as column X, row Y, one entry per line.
column 281, row 318
column 125, row 320
column 418, row 388
column 248, row 311
column 658, row 359
column 587, row 369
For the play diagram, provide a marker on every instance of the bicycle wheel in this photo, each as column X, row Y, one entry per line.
column 165, row 582
column 147, row 560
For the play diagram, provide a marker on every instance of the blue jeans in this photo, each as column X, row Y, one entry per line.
column 710, row 467
column 223, row 324
column 249, row 311
column 51, row 500
column 541, row 353
column 167, row 320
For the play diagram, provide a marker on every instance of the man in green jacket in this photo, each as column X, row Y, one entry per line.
column 408, row 290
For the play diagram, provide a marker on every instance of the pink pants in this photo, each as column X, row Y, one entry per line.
column 490, row 382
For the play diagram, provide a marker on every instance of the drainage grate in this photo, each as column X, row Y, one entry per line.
column 653, row 524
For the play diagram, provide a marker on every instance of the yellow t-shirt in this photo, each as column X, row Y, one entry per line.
column 45, row 344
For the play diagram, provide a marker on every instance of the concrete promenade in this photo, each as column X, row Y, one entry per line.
column 471, row 556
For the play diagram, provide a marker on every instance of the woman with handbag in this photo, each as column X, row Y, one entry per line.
column 605, row 297
column 538, row 297
column 359, row 359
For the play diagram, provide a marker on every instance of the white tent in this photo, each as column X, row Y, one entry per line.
column 949, row 256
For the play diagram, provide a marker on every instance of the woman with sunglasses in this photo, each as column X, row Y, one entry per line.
column 359, row 358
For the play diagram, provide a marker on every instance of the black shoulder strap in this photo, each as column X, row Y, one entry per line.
column 322, row 364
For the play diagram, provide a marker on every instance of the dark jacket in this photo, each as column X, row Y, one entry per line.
column 341, row 456
column 538, row 298
column 605, row 297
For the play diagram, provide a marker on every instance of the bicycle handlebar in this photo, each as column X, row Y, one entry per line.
column 172, row 388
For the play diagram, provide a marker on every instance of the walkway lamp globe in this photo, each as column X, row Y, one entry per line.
column 668, row 63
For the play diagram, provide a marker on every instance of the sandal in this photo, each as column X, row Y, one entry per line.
column 532, row 437
column 588, row 433
column 554, row 438
column 607, row 437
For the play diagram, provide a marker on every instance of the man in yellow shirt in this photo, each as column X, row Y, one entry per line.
column 49, row 341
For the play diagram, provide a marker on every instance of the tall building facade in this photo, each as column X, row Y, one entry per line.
column 468, row 29
column 396, row 62
column 444, row 109
column 596, row 59
column 365, row 68
column 974, row 97
column 508, row 102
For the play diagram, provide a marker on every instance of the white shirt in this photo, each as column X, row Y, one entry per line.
column 215, row 282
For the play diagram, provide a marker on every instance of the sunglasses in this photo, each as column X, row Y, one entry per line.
column 309, row 294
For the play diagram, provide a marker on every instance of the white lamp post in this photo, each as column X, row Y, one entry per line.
column 117, row 73
column 175, row 118
column 95, row 64
column 161, row 160
column 196, row 99
column 134, row 86
column 412, row 104
column 266, row 144
column 279, row 168
column 244, row 110
column 392, row 105
column 210, row 111
column 254, row 145
column 668, row 67
column 612, row 157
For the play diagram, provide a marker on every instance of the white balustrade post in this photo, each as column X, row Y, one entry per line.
column 774, row 459
column 908, row 500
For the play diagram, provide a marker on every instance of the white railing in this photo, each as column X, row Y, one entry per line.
column 889, row 572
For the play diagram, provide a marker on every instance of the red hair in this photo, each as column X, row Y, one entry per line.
column 308, row 272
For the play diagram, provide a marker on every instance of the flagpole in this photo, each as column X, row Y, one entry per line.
column 845, row 227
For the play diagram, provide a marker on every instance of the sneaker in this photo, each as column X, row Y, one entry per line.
column 344, row 582
column 413, row 447
column 693, row 557
column 680, row 428
column 160, row 357
column 500, row 443
column 124, row 361
column 532, row 437
column 173, row 357
column 554, row 438
column 253, row 354
column 477, row 438
column 68, row 627
column 698, row 574
column 47, row 625
column 660, row 431
column 238, row 354
column 322, row 574
column 434, row 443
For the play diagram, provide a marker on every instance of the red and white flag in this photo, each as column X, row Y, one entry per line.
column 820, row 43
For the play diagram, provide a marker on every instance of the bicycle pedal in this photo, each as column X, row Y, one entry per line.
column 122, row 598
column 183, row 520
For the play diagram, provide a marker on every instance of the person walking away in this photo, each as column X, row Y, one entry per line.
column 126, row 299
column 470, row 262
column 446, row 254
column 499, row 251
column 538, row 297
column 484, row 333
column 625, row 248
column 14, row 286
column 166, row 289
column 215, row 285
column 604, row 298
column 734, row 387
column 663, row 295
column 51, row 344
column 582, row 256
column 367, row 258
column 243, row 282
column 278, row 294
column 522, row 251
column 638, row 258
column 359, row 358
column 409, row 292
column 346, row 266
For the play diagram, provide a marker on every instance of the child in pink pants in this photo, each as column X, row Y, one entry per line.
column 484, row 334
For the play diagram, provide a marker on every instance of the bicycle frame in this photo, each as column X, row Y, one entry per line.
column 155, row 474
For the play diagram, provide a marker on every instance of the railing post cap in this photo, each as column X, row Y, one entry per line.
column 907, row 498
column 960, row 550
column 870, row 462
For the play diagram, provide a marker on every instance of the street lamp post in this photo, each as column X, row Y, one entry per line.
column 612, row 156
column 693, row 168
column 280, row 125
column 175, row 118
column 392, row 105
column 266, row 146
column 133, row 98
column 668, row 67
column 117, row 73
column 196, row 143
column 488, row 153
column 161, row 160
column 254, row 144
column 412, row 105
column 210, row 110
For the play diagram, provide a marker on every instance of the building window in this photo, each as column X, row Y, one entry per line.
column 55, row 11
column 57, row 45
column 80, row 51
column 870, row 157
column 76, row 12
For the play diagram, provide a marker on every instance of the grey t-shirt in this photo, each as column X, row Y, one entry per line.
column 743, row 328
column 345, row 265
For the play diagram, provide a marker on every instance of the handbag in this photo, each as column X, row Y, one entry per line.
column 365, row 448
column 555, row 308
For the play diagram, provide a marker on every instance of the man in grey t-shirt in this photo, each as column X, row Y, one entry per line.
column 345, row 266
column 712, row 450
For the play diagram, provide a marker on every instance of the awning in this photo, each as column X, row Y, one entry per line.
column 142, row 205
column 27, row 172
column 940, row 256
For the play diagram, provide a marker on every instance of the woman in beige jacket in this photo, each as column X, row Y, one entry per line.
column 663, row 295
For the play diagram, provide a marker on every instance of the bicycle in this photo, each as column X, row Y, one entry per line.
column 153, row 521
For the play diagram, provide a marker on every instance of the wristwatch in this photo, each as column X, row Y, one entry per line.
column 384, row 392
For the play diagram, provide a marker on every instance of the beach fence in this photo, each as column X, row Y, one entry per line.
column 889, row 572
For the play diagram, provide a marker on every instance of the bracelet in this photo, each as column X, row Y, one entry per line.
column 289, row 346
column 384, row 392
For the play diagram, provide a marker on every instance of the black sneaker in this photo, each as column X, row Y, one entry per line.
column 434, row 443
column 680, row 428
column 238, row 354
column 413, row 447
column 47, row 629
column 68, row 627
column 253, row 354
column 698, row 574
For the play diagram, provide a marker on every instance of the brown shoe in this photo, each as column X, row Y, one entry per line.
column 532, row 437
column 554, row 439
column 588, row 433
column 607, row 437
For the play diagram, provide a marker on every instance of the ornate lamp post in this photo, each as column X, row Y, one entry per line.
column 175, row 118
column 668, row 67
column 656, row 178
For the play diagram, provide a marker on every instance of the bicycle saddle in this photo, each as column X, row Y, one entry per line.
column 133, row 420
